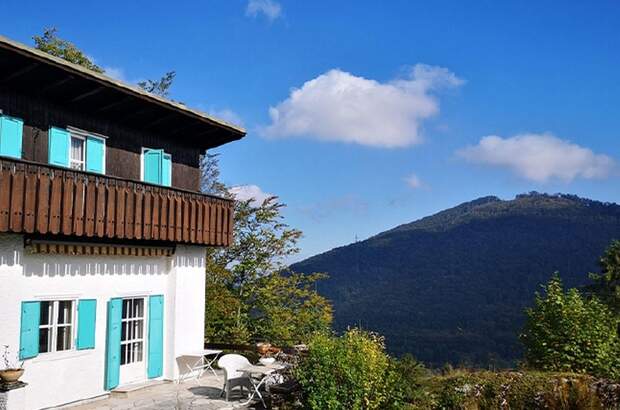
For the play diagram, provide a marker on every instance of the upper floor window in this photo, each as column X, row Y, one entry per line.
column 77, row 159
column 156, row 166
column 11, row 130
column 77, row 150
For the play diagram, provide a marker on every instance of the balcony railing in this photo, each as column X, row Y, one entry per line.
column 48, row 200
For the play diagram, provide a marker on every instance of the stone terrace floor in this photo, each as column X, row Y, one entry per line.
column 188, row 395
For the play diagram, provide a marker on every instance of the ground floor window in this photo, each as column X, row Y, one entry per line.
column 132, row 331
column 56, row 326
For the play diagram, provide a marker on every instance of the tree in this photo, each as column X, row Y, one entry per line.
column 159, row 87
column 565, row 331
column 250, row 294
column 50, row 43
column 607, row 283
column 287, row 309
column 210, row 175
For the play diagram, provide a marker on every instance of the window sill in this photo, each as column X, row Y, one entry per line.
column 54, row 356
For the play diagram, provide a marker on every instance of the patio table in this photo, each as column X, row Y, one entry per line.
column 202, row 364
column 263, row 372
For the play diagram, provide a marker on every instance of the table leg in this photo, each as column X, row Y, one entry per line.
column 256, row 391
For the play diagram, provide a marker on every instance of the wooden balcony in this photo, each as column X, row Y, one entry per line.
column 52, row 201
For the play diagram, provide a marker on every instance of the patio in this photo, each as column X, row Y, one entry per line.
column 187, row 395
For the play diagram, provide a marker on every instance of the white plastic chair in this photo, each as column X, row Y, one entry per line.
column 231, row 364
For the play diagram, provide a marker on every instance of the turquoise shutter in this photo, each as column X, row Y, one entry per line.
column 113, row 343
column 156, row 336
column 95, row 148
column 87, row 315
column 166, row 170
column 11, row 131
column 29, row 333
column 152, row 165
column 59, row 142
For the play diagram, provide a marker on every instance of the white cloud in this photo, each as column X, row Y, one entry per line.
column 413, row 181
column 253, row 192
column 116, row 73
column 271, row 9
column 227, row 115
column 539, row 157
column 339, row 106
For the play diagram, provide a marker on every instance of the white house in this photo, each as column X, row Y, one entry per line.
column 103, row 229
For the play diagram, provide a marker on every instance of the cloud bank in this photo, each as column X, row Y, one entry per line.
column 339, row 106
column 539, row 157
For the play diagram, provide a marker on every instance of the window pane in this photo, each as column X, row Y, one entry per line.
column 125, row 308
column 139, row 308
column 138, row 329
column 77, row 149
column 44, row 340
column 137, row 352
column 124, row 331
column 63, row 338
column 46, row 313
column 123, row 354
column 65, row 310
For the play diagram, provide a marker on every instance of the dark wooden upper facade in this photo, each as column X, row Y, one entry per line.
column 45, row 92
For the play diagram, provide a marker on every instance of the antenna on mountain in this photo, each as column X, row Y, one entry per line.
column 357, row 257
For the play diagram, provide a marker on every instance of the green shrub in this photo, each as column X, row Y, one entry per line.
column 349, row 372
column 485, row 390
column 411, row 376
column 567, row 332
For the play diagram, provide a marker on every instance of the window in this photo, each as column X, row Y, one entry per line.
column 11, row 130
column 76, row 149
column 77, row 160
column 132, row 331
column 56, row 326
column 156, row 166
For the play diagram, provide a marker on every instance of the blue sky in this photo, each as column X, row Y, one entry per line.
column 381, row 112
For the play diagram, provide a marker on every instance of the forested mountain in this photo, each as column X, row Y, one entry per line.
column 452, row 287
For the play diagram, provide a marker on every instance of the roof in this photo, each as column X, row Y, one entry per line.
column 41, row 73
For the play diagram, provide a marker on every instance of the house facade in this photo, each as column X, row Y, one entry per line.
column 103, row 228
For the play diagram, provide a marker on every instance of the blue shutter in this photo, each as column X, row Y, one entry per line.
column 29, row 333
column 59, row 142
column 87, row 315
column 156, row 336
column 166, row 170
column 152, row 166
column 11, row 131
column 113, row 343
column 95, row 148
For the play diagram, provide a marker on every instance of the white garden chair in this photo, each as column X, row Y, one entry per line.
column 232, row 364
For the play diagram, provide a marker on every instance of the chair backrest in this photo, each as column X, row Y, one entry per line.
column 231, row 363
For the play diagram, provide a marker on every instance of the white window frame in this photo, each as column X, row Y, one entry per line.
column 144, row 149
column 73, row 161
column 130, row 351
column 53, row 326
column 79, row 133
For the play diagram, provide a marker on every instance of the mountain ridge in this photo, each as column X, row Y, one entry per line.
column 463, row 276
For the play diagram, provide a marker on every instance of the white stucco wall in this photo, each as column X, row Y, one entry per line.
column 57, row 378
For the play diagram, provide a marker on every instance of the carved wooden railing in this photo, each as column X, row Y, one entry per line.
column 49, row 200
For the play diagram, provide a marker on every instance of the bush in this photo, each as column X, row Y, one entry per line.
column 519, row 391
column 567, row 332
column 349, row 372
